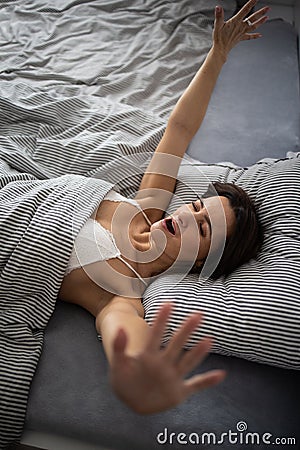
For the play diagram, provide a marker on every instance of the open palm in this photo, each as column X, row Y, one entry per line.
column 154, row 380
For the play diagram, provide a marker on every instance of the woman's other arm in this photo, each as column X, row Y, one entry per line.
column 147, row 378
column 158, row 183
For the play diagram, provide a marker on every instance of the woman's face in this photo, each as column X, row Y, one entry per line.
column 193, row 229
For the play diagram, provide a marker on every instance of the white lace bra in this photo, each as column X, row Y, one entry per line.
column 95, row 243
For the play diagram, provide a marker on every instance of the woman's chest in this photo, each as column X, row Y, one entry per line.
column 93, row 285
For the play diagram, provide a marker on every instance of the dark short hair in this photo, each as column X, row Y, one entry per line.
column 246, row 240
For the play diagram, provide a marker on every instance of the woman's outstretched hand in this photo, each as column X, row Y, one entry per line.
column 154, row 380
column 238, row 28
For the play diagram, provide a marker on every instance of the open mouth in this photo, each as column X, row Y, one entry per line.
column 169, row 224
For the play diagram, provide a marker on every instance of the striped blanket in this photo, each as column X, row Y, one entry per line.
column 38, row 222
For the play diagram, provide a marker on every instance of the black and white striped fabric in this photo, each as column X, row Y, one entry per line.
column 255, row 312
column 53, row 173
column 38, row 222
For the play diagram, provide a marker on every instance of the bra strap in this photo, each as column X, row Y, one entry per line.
column 145, row 216
column 130, row 267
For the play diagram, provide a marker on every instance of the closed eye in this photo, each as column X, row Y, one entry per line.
column 196, row 209
column 194, row 206
column 201, row 230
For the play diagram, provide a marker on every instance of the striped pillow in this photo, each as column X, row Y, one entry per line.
column 255, row 312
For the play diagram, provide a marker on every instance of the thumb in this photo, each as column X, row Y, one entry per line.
column 219, row 17
column 120, row 342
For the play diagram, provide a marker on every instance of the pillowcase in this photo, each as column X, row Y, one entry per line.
column 254, row 313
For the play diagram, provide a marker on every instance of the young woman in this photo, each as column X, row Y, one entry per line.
column 126, row 242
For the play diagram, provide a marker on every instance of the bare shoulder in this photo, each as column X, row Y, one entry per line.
column 150, row 205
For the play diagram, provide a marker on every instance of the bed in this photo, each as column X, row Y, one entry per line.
column 85, row 89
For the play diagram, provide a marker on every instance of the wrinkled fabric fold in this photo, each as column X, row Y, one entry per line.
column 38, row 222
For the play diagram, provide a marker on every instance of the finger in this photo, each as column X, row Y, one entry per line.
column 119, row 343
column 255, row 24
column 174, row 348
column 203, row 381
column 158, row 328
column 248, row 36
column 219, row 17
column 194, row 357
column 245, row 10
column 258, row 14
column 259, row 22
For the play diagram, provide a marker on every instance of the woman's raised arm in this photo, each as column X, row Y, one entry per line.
column 158, row 183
